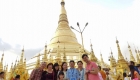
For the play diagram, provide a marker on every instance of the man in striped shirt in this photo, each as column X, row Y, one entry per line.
column 37, row 73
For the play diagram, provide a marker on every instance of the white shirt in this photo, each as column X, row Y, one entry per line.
column 126, row 78
column 100, row 76
column 82, row 74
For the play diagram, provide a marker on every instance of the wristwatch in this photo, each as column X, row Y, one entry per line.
column 88, row 71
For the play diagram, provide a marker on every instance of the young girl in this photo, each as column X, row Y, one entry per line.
column 125, row 76
column 61, row 75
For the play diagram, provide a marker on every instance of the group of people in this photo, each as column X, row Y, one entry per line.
column 134, row 72
column 53, row 72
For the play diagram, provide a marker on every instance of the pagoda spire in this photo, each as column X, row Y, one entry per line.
column 64, row 57
column 63, row 13
column 120, row 56
column 38, row 61
column 112, row 60
column 131, row 55
column 1, row 62
column 58, row 56
column 102, row 61
column 137, row 56
column 45, row 54
column 92, row 55
column 22, row 57
column 25, row 63
column 63, row 30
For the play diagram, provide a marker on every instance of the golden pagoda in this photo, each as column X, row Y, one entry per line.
column 1, row 62
column 131, row 55
column 65, row 36
column 122, row 65
column 38, row 61
column 92, row 55
column 45, row 58
column 113, row 64
column 137, row 57
column 20, row 68
column 63, row 46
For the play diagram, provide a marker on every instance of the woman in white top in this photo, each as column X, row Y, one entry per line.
column 64, row 68
column 125, row 76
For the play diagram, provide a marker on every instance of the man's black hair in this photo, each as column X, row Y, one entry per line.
column 79, row 62
column 84, row 55
column 71, row 61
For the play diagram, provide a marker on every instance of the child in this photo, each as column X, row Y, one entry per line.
column 17, row 77
column 61, row 75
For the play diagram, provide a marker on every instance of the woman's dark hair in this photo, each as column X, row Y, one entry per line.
column 17, row 76
column 124, row 74
column 131, row 67
column 79, row 62
column 60, row 73
column 62, row 66
column 1, row 73
column 50, row 64
column 132, row 63
column 56, row 64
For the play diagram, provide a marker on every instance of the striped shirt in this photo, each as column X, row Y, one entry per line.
column 36, row 74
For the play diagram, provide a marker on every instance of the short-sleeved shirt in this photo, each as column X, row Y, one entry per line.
column 103, row 74
column 36, row 74
column 91, row 66
column 82, row 74
column 73, row 74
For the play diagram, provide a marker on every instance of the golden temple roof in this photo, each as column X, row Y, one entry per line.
column 63, row 32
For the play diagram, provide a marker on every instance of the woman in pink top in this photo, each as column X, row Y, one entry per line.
column 91, row 68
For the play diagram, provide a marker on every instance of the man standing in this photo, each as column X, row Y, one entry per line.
column 103, row 74
column 91, row 68
column 37, row 73
column 81, row 70
column 72, row 73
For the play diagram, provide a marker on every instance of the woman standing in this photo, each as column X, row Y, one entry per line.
column 49, row 74
column 134, row 73
column 64, row 69
column 55, row 70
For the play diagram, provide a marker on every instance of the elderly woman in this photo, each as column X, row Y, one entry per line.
column 49, row 74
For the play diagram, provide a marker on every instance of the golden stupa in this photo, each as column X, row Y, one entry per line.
column 63, row 45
